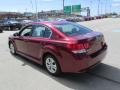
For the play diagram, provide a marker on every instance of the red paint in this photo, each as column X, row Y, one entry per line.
column 61, row 46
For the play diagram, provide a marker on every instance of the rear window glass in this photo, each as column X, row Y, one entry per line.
column 71, row 29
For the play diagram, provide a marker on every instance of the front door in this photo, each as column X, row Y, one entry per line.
column 37, row 40
column 21, row 40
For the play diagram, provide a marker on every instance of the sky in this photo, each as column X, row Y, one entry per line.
column 45, row 5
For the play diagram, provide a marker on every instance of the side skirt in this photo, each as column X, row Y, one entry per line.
column 30, row 58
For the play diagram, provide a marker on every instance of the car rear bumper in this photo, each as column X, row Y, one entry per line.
column 89, row 62
column 77, row 64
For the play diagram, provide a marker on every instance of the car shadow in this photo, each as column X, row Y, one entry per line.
column 103, row 77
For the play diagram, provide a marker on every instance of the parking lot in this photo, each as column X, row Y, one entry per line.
column 18, row 73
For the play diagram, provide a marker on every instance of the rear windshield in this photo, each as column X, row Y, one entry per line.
column 72, row 29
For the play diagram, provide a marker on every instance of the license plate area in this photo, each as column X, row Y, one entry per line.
column 94, row 48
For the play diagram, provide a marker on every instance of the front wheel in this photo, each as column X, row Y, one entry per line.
column 12, row 49
column 52, row 65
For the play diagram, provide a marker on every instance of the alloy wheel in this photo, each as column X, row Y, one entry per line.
column 12, row 49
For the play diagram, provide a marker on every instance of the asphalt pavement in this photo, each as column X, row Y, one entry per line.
column 18, row 73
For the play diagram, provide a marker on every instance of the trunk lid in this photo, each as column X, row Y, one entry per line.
column 94, row 39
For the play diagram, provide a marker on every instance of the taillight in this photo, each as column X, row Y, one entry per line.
column 78, row 48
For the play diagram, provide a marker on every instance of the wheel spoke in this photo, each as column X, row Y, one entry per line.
column 54, row 67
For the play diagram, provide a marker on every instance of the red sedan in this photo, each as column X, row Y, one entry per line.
column 59, row 46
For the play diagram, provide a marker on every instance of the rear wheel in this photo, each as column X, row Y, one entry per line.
column 52, row 65
column 12, row 49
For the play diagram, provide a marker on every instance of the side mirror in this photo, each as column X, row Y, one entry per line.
column 16, row 34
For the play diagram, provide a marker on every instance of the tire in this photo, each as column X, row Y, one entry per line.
column 51, row 65
column 12, row 49
column 1, row 31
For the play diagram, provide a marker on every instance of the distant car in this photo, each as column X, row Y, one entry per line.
column 60, row 46
column 114, row 16
column 11, row 25
column 74, row 19
column 26, row 22
column 1, row 30
column 38, row 20
column 49, row 19
column 60, row 19
column 71, row 19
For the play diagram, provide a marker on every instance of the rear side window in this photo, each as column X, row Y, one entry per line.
column 41, row 31
column 71, row 29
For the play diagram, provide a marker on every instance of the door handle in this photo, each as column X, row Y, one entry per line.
column 25, row 39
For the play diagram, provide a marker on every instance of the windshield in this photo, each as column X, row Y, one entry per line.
column 71, row 29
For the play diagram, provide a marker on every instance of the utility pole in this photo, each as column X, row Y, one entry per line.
column 110, row 5
column 106, row 7
column 63, row 5
column 36, row 9
column 101, row 8
column 98, row 7
column 31, row 2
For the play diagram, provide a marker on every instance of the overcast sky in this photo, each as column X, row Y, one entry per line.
column 29, row 5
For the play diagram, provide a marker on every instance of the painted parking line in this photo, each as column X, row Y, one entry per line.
column 118, row 30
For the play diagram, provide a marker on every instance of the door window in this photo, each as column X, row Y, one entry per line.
column 41, row 31
column 26, row 31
